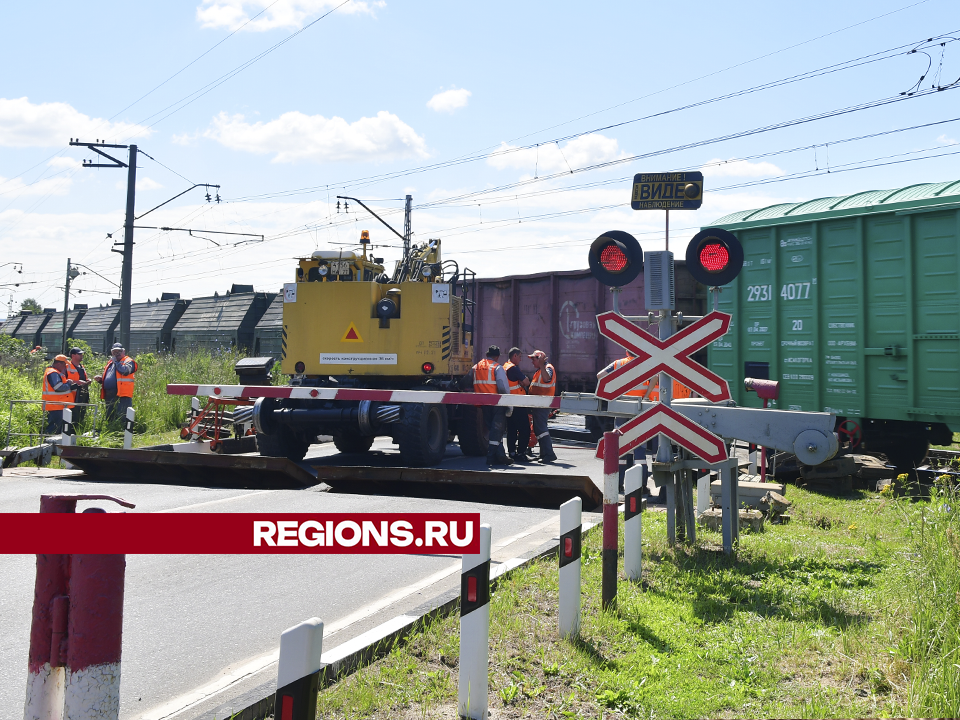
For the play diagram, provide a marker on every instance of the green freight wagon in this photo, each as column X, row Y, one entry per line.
column 152, row 323
column 222, row 321
column 853, row 304
column 13, row 323
column 29, row 330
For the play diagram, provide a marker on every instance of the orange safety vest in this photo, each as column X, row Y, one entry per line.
column 545, row 387
column 124, row 382
column 73, row 374
column 484, row 376
column 679, row 391
column 515, row 387
column 48, row 394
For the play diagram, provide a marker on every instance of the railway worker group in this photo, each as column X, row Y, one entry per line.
column 489, row 376
column 66, row 382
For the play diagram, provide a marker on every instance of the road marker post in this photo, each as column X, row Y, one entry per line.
column 611, row 483
column 128, row 430
column 571, row 529
column 475, row 630
column 633, row 482
column 68, row 435
column 298, row 672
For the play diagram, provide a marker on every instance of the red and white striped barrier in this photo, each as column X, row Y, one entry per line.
column 475, row 630
column 432, row 397
column 633, row 482
column 73, row 667
column 298, row 672
column 611, row 485
column 571, row 529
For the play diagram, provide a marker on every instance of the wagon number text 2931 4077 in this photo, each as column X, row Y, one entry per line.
column 790, row 291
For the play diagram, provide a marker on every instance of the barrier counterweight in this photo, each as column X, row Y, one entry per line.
column 475, row 630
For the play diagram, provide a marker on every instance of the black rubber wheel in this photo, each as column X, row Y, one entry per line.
column 283, row 444
column 473, row 432
column 422, row 434
column 351, row 441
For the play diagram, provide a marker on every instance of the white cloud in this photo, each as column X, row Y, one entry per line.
column 185, row 139
column 64, row 162
column 944, row 140
column 25, row 124
column 449, row 100
column 295, row 136
column 143, row 183
column 48, row 186
column 579, row 152
column 290, row 14
column 739, row 168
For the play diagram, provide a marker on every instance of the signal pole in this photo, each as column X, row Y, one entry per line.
column 72, row 272
column 126, row 273
column 407, row 226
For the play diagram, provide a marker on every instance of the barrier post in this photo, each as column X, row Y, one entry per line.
column 729, row 505
column 633, row 483
column 298, row 672
column 703, row 492
column 571, row 530
column 611, row 484
column 475, row 630
column 128, row 430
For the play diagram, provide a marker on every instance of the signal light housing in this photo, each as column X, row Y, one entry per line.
column 714, row 257
column 427, row 367
column 616, row 258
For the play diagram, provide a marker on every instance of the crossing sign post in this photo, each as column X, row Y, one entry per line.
column 672, row 357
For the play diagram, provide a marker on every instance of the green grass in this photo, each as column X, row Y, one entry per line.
column 850, row 610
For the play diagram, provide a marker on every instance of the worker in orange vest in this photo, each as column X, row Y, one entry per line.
column 544, row 382
column 117, row 382
column 78, row 373
column 518, row 422
column 490, row 377
column 650, row 389
column 56, row 393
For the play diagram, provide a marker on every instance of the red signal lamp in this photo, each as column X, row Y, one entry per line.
column 427, row 367
column 616, row 258
column 714, row 257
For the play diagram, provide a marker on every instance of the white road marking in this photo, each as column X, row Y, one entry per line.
column 214, row 502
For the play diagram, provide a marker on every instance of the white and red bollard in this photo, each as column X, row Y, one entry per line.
column 68, row 435
column 633, row 482
column 128, row 430
column 571, row 530
column 611, row 485
column 73, row 668
column 475, row 631
column 298, row 672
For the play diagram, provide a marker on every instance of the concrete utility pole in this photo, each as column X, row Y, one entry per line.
column 72, row 272
column 126, row 273
column 407, row 226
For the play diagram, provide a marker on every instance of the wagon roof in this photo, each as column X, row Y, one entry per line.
column 924, row 195
column 273, row 317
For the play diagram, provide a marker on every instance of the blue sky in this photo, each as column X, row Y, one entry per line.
column 365, row 100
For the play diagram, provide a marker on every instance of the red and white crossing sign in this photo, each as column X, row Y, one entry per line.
column 682, row 431
column 671, row 356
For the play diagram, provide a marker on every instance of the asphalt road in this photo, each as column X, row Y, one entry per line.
column 198, row 629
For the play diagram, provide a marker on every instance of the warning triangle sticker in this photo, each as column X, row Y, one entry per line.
column 351, row 335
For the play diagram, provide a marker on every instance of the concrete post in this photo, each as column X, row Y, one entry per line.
column 703, row 493
column 298, row 672
column 475, row 630
column 571, row 529
column 729, row 505
column 633, row 483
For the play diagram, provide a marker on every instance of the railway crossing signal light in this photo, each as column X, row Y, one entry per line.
column 616, row 258
column 714, row 257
